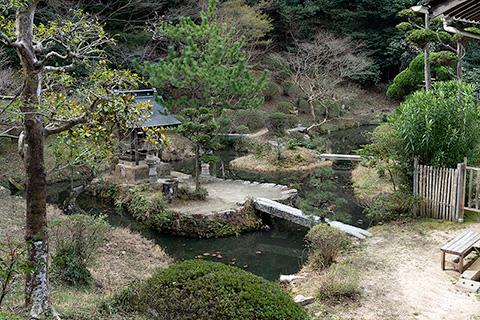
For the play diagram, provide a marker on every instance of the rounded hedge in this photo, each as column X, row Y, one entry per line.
column 285, row 107
column 271, row 91
column 277, row 123
column 197, row 289
column 252, row 118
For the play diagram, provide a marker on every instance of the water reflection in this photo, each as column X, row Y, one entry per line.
column 265, row 253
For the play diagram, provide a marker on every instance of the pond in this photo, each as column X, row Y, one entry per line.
column 279, row 250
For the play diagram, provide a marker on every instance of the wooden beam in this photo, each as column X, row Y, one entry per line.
column 439, row 7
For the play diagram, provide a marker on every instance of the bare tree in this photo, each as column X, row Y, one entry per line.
column 320, row 65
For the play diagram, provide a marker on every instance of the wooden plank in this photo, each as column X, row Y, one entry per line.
column 448, row 197
column 415, row 185
column 461, row 244
column 421, row 190
column 451, row 194
column 428, row 208
column 438, row 192
column 432, row 192
column 470, row 188
column 454, row 193
column 436, row 178
column 442, row 194
column 476, row 190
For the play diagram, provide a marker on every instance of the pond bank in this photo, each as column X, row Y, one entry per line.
column 224, row 212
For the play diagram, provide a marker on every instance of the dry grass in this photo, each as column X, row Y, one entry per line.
column 127, row 256
column 255, row 164
column 368, row 184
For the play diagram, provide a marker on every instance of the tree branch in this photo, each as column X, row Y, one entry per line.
column 70, row 123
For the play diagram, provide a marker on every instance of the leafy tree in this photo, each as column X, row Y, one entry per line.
column 385, row 153
column 440, row 126
column 410, row 79
column 54, row 47
column 209, row 73
column 249, row 22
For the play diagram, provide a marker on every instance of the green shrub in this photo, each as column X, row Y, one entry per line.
column 242, row 129
column 77, row 239
column 251, row 118
column 271, row 91
column 286, row 85
column 440, row 126
column 392, row 206
column 338, row 283
column 325, row 242
column 5, row 315
column 319, row 108
column 198, row 289
column 294, row 91
column 225, row 125
column 277, row 123
column 292, row 120
column 303, row 106
column 285, row 107
column 334, row 110
column 292, row 144
column 284, row 74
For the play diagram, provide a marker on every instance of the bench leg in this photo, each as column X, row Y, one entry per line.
column 460, row 264
column 443, row 260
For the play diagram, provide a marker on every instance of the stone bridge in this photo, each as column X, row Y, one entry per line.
column 295, row 215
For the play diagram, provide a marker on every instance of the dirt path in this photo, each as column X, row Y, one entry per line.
column 402, row 278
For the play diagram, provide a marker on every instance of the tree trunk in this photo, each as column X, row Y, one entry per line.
column 70, row 205
column 197, row 167
column 428, row 73
column 460, row 54
column 37, row 294
column 428, row 77
column 312, row 110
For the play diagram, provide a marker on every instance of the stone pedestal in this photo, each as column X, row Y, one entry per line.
column 131, row 173
column 205, row 169
column 169, row 189
column 152, row 162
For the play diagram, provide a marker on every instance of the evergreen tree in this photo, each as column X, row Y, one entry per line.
column 208, row 71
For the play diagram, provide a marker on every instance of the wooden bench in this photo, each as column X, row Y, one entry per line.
column 461, row 246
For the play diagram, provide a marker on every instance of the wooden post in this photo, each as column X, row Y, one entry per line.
column 461, row 167
column 415, row 183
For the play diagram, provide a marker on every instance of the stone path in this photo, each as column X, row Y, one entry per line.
column 225, row 194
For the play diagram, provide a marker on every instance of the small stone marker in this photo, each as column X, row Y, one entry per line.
column 468, row 285
column 205, row 169
column 303, row 301
column 289, row 278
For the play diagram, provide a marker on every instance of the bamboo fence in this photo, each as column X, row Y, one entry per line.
column 439, row 190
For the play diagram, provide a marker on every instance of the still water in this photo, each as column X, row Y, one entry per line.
column 265, row 253
column 280, row 250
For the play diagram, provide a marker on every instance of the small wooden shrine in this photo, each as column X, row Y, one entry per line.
column 135, row 154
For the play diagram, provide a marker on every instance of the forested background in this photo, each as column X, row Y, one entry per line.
column 270, row 27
